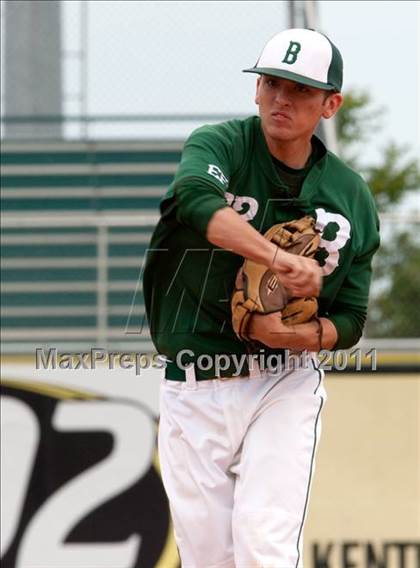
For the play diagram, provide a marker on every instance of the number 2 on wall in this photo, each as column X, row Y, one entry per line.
column 43, row 543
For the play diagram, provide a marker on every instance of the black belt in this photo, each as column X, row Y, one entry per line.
column 174, row 373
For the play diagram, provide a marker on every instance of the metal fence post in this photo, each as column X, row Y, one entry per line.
column 102, row 286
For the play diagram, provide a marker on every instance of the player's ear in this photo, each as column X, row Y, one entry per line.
column 257, row 93
column 332, row 104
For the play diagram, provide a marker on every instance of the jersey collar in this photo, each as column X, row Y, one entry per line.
column 268, row 167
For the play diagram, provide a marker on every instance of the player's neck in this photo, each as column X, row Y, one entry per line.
column 293, row 153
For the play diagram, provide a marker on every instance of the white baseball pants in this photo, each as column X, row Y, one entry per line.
column 237, row 458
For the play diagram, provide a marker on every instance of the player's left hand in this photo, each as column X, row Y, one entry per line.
column 268, row 329
column 272, row 332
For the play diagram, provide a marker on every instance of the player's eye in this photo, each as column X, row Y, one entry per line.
column 302, row 88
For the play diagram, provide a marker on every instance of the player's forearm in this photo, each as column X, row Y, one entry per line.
column 228, row 230
column 309, row 336
column 271, row 332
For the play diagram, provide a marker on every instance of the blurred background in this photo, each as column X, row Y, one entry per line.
column 97, row 99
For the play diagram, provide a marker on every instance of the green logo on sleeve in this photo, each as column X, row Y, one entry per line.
column 292, row 52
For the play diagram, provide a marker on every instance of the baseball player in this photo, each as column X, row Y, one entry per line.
column 237, row 436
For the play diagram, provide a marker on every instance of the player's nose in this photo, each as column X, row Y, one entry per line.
column 283, row 93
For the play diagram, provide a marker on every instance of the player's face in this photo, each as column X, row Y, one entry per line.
column 290, row 111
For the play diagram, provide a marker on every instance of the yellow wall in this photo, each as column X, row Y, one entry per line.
column 367, row 482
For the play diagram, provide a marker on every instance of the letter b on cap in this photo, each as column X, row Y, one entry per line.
column 292, row 52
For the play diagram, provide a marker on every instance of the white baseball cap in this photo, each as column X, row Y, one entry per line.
column 304, row 56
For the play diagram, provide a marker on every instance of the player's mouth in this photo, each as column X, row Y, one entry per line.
column 280, row 116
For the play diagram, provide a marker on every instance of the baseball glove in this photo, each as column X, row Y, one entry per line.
column 257, row 288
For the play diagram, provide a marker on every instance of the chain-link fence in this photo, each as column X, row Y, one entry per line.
column 147, row 69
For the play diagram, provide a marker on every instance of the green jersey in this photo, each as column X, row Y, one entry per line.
column 188, row 282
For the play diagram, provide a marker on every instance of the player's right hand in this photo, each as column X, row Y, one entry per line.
column 301, row 275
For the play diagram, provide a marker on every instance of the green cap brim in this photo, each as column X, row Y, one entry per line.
column 283, row 74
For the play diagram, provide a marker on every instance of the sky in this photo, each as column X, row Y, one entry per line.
column 187, row 57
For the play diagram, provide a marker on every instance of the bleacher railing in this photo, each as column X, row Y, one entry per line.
column 106, row 126
column 99, row 318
